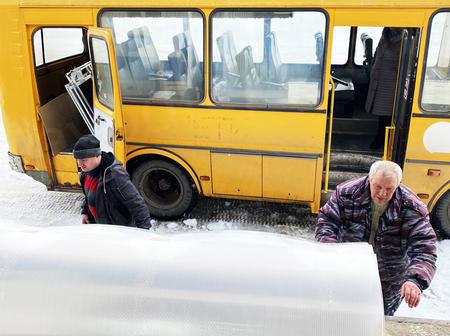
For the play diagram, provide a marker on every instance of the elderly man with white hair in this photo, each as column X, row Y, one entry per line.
column 378, row 209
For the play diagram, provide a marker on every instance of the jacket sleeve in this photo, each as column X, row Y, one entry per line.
column 329, row 220
column 84, row 206
column 132, row 200
column 421, row 249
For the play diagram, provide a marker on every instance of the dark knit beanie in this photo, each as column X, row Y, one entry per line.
column 86, row 147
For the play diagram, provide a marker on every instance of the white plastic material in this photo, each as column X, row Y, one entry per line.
column 107, row 280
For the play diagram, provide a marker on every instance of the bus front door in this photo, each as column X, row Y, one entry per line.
column 395, row 146
column 108, row 120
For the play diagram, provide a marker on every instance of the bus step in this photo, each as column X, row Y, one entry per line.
column 336, row 177
column 352, row 162
column 356, row 126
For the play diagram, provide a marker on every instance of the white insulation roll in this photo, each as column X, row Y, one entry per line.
column 111, row 280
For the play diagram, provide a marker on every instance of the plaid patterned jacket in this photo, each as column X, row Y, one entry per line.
column 405, row 242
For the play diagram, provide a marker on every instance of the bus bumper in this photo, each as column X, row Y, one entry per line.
column 16, row 164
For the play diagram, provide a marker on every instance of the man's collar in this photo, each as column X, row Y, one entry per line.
column 363, row 193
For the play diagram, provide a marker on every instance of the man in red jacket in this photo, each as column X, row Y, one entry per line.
column 110, row 196
column 379, row 210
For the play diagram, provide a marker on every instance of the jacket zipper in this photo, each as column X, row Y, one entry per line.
column 104, row 177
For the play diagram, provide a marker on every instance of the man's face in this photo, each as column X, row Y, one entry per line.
column 382, row 187
column 88, row 164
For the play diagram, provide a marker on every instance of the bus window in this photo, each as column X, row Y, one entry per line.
column 267, row 58
column 341, row 41
column 102, row 72
column 38, row 48
column 159, row 54
column 52, row 44
column 436, row 85
column 374, row 33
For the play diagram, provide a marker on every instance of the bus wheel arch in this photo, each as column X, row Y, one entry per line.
column 168, row 185
column 441, row 215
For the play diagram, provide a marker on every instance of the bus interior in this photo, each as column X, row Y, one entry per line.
column 358, row 135
column 57, row 51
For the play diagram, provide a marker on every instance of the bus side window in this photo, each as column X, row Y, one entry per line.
column 158, row 52
column 340, row 47
column 267, row 58
column 436, row 84
column 56, row 51
column 52, row 44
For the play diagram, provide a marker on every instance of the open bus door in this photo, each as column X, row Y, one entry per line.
column 397, row 133
column 108, row 119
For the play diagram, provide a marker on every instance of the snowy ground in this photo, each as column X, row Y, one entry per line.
column 25, row 201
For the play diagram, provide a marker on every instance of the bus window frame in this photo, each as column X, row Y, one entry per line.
column 423, row 111
column 267, row 107
column 85, row 48
column 155, row 102
column 94, row 71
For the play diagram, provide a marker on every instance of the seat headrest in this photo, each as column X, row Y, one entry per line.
column 179, row 41
column 144, row 30
column 133, row 33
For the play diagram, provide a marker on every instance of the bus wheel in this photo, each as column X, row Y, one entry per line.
column 167, row 189
column 441, row 217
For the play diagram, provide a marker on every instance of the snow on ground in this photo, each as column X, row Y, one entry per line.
column 24, row 201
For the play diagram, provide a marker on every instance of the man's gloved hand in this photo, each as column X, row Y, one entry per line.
column 411, row 292
column 84, row 219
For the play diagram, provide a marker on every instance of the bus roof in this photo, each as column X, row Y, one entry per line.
column 233, row 3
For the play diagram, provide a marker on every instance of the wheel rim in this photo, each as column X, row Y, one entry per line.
column 162, row 188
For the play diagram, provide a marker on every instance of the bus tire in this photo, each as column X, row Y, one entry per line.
column 167, row 189
column 441, row 216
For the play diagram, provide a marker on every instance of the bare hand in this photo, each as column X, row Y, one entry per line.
column 84, row 219
column 411, row 293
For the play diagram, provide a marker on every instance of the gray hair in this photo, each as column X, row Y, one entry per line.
column 387, row 168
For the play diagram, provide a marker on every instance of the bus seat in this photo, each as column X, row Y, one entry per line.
column 145, row 49
column 191, row 58
column 178, row 65
column 179, row 41
column 276, row 72
column 135, row 63
column 150, row 49
column 227, row 51
column 143, row 87
column 137, row 46
column 177, row 58
column 126, row 79
column 246, row 67
column 196, row 91
column 190, row 48
column 185, row 65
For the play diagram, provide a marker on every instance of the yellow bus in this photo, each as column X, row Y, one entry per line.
column 234, row 99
